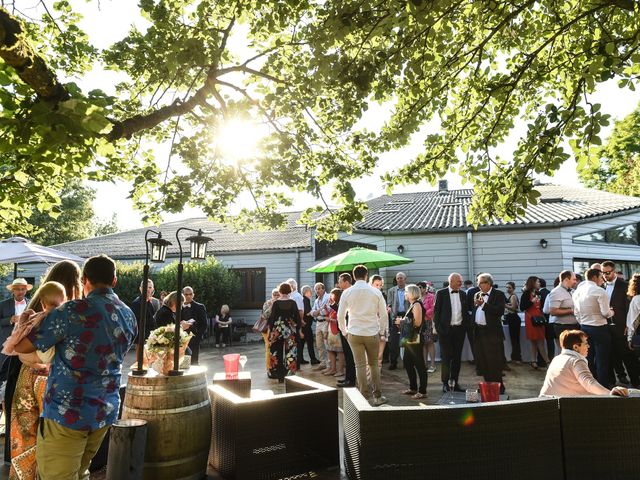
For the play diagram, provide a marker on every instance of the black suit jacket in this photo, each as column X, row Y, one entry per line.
column 442, row 311
column 620, row 304
column 198, row 312
column 152, row 308
column 7, row 310
column 493, row 311
column 164, row 316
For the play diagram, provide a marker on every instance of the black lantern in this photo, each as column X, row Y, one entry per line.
column 198, row 252
column 199, row 246
column 158, row 254
column 158, row 248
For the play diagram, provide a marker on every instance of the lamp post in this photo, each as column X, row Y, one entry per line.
column 198, row 252
column 158, row 255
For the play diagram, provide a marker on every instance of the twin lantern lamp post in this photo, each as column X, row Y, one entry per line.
column 158, row 255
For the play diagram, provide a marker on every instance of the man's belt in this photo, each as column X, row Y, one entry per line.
column 319, row 319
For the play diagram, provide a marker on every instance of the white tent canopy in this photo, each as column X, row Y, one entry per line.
column 20, row 250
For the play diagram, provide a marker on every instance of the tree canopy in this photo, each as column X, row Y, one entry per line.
column 75, row 218
column 470, row 73
column 616, row 165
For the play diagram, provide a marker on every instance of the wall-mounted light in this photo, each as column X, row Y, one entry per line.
column 400, row 249
column 543, row 243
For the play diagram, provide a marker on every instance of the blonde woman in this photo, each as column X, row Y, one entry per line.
column 222, row 326
column 411, row 327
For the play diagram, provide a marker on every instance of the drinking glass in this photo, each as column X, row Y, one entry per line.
column 452, row 385
column 242, row 360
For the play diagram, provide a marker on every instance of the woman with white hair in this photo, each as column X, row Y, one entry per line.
column 411, row 339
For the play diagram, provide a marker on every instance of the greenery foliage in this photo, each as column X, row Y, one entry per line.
column 213, row 284
column 616, row 165
column 459, row 76
column 73, row 219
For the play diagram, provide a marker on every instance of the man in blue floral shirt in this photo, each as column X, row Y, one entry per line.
column 91, row 337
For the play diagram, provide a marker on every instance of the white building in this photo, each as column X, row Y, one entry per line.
column 569, row 229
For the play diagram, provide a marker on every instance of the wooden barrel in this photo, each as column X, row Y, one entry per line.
column 178, row 415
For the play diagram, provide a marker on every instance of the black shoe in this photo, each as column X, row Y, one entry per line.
column 444, row 388
column 343, row 384
column 393, row 366
column 315, row 361
column 304, row 362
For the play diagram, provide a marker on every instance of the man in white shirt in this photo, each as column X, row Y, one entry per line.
column 367, row 318
column 319, row 313
column 561, row 304
column 591, row 306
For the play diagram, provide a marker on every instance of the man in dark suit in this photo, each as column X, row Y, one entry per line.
column 153, row 304
column 451, row 320
column 194, row 315
column 11, row 308
column 622, row 356
column 488, row 308
column 397, row 306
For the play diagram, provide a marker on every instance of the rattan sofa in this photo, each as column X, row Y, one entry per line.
column 601, row 437
column 512, row 440
column 276, row 437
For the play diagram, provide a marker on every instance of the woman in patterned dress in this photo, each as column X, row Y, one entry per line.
column 283, row 325
column 31, row 385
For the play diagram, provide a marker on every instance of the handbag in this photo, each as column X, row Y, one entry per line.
column 261, row 325
column 409, row 334
column 538, row 320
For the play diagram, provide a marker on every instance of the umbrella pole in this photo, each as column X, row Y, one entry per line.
column 15, row 271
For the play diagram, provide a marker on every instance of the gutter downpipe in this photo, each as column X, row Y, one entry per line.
column 470, row 265
column 298, row 266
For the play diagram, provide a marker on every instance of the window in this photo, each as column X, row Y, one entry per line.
column 253, row 283
column 628, row 268
column 624, row 235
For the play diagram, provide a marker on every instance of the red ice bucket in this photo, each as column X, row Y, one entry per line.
column 489, row 391
column 231, row 362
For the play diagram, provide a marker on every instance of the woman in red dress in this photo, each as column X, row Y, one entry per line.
column 531, row 306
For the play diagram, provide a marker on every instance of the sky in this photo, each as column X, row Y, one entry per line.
column 109, row 20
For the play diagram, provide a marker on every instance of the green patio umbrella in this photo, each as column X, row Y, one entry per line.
column 359, row 256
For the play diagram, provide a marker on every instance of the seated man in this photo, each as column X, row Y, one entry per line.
column 569, row 375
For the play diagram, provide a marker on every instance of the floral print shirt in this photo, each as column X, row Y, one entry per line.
column 91, row 338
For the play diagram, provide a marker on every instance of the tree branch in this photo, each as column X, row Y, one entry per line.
column 30, row 67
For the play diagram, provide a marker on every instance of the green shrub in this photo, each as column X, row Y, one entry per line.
column 213, row 283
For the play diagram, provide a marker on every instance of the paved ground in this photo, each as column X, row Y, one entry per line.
column 521, row 382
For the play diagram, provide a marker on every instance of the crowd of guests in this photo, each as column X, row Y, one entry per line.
column 339, row 329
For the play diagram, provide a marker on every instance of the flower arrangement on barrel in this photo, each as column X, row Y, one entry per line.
column 159, row 348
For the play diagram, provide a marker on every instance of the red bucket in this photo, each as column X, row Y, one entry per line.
column 489, row 391
column 231, row 362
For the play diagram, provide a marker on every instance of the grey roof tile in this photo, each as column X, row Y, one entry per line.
column 130, row 244
column 447, row 211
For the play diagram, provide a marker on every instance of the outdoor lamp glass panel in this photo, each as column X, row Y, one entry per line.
column 158, row 249
column 199, row 246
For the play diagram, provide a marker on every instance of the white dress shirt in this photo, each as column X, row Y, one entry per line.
column 367, row 310
column 591, row 304
column 632, row 316
column 481, row 319
column 610, row 287
column 20, row 306
column 456, row 308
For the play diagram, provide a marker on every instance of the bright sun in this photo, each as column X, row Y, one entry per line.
column 237, row 140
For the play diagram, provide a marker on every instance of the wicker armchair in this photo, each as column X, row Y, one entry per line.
column 502, row 440
column 275, row 437
column 601, row 437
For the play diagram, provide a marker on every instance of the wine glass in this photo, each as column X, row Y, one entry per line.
column 452, row 385
column 243, row 361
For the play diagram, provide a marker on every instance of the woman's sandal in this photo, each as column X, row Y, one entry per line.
column 534, row 365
